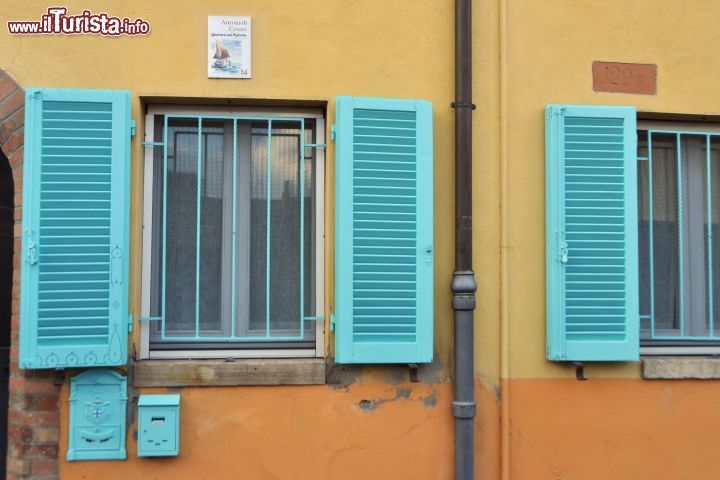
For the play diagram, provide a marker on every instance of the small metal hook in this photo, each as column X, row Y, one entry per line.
column 413, row 372
column 580, row 371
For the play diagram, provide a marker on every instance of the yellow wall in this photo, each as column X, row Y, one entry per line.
column 549, row 61
column 302, row 50
column 616, row 425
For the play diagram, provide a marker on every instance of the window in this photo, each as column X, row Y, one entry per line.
column 678, row 234
column 233, row 233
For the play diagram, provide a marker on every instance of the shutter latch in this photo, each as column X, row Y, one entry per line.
column 428, row 254
column 332, row 322
column 563, row 251
column 31, row 253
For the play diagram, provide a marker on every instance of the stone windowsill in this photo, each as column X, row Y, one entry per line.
column 213, row 373
column 681, row 368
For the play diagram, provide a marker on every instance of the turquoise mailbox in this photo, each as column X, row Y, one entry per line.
column 159, row 425
column 97, row 416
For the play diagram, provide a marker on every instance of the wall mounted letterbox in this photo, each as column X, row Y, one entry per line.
column 97, row 416
column 158, row 425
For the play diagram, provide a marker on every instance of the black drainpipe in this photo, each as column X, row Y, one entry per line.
column 463, row 283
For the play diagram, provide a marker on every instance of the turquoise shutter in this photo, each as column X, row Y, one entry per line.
column 591, row 235
column 384, row 231
column 74, row 284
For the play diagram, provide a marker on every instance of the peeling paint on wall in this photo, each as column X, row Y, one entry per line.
column 422, row 393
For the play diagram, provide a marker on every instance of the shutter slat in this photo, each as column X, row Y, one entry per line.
column 384, row 225
column 592, row 282
column 75, row 219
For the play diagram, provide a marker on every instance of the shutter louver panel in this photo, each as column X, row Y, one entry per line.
column 592, row 279
column 384, row 224
column 75, row 229
column 384, row 231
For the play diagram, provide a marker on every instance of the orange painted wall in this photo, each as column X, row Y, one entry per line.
column 620, row 429
column 404, row 432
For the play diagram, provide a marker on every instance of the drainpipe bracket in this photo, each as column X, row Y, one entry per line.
column 463, row 105
column 463, row 409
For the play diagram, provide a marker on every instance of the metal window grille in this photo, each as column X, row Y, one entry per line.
column 677, row 265
column 302, row 318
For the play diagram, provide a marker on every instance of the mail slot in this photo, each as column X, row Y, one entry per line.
column 158, row 425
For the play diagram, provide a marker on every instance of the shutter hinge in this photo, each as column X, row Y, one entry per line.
column 132, row 128
column 130, row 323
column 559, row 110
column 332, row 322
column 332, row 132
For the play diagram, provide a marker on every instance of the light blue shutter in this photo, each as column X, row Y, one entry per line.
column 74, row 285
column 591, row 236
column 384, row 231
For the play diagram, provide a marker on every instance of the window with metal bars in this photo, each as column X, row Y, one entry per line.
column 234, row 232
column 679, row 217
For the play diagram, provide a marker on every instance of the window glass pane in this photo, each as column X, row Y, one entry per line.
column 644, row 231
column 664, row 234
column 310, row 226
column 284, row 227
column 254, row 242
column 713, row 220
column 258, row 228
column 211, row 231
column 182, row 200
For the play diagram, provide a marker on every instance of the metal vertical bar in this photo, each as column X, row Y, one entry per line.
column 651, row 239
column 708, row 173
column 197, row 231
column 681, row 273
column 164, row 214
column 267, row 235
column 234, row 231
column 301, row 159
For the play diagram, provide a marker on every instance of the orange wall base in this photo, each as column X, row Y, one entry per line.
column 562, row 429
column 614, row 429
column 366, row 431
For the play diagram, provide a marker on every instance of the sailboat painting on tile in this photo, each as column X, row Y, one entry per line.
column 229, row 47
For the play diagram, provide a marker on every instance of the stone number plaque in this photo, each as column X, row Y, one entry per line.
column 638, row 78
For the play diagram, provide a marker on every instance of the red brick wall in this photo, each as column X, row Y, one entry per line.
column 33, row 417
